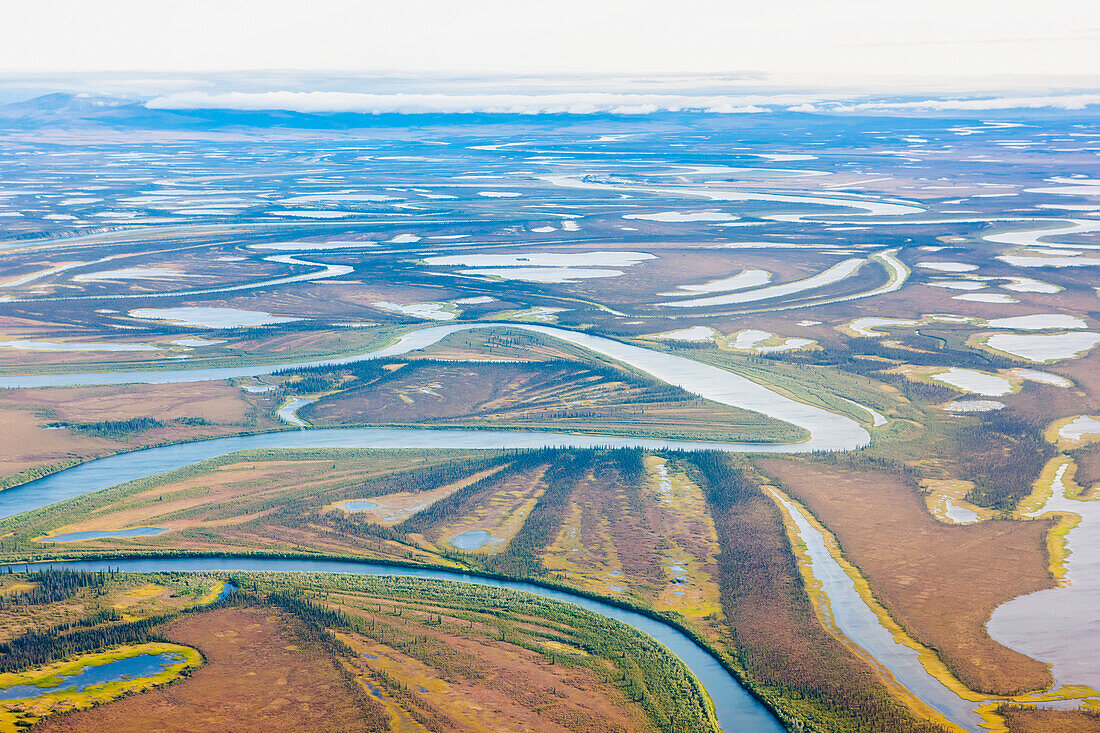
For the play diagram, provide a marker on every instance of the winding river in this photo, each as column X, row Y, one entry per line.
column 327, row 271
column 736, row 709
column 103, row 473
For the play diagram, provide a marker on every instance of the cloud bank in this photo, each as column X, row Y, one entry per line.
column 1064, row 101
column 524, row 104
column 583, row 103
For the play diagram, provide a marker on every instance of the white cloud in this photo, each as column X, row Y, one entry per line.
column 582, row 103
column 1064, row 101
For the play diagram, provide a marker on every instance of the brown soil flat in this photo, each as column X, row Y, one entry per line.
column 1031, row 720
column 27, row 444
column 1042, row 404
column 513, row 345
column 280, row 345
column 25, row 413
column 259, row 676
column 214, row 401
column 1085, row 372
column 941, row 582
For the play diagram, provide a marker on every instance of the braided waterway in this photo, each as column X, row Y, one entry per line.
column 737, row 709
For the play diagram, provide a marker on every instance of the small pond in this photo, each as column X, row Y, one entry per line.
column 356, row 505
column 142, row 665
column 475, row 539
column 98, row 535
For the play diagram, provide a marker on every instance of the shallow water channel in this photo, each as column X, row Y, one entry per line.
column 852, row 617
column 103, row 473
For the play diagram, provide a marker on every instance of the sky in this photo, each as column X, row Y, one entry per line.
column 1002, row 42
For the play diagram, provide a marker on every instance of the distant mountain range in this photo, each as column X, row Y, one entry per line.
column 81, row 112
column 65, row 109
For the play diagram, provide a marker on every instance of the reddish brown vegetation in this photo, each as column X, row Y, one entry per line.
column 259, row 675
column 1032, row 720
column 1088, row 466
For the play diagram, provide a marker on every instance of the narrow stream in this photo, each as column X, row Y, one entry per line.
column 288, row 413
